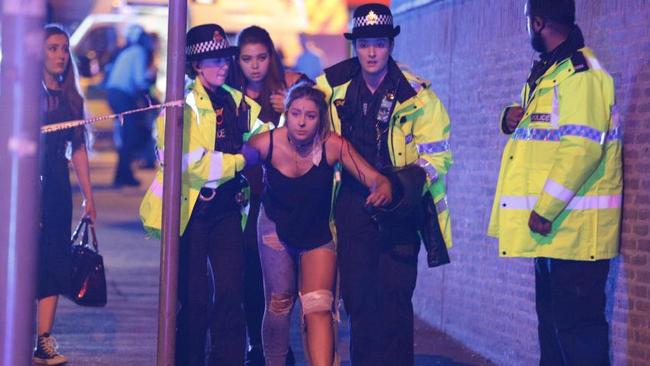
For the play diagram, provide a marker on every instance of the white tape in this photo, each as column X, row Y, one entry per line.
column 80, row 122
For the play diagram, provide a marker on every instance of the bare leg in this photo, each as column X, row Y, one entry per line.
column 46, row 309
column 317, row 271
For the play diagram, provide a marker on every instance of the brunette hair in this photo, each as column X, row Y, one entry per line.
column 274, row 79
column 68, row 79
column 306, row 90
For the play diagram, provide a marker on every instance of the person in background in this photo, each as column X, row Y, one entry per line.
column 259, row 74
column 217, row 118
column 147, row 153
column 559, row 195
column 295, row 241
column 394, row 120
column 309, row 61
column 62, row 102
column 127, row 83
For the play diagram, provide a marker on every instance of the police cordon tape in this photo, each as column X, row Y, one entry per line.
column 80, row 122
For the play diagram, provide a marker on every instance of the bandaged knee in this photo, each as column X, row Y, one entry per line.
column 316, row 301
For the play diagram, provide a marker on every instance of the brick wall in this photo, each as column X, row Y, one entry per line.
column 477, row 55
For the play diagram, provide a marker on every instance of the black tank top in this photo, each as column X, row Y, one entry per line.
column 299, row 207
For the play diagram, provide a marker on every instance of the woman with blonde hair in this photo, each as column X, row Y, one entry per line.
column 295, row 242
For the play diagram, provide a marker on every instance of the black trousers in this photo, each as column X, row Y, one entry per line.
column 377, row 282
column 570, row 299
column 212, row 236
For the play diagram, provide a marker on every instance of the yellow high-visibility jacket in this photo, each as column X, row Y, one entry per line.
column 564, row 162
column 202, row 166
column 418, row 128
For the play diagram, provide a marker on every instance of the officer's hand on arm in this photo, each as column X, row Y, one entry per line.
column 538, row 224
column 251, row 155
column 512, row 118
column 381, row 192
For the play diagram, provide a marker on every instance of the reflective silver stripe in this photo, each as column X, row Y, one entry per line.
column 216, row 162
column 518, row 202
column 432, row 173
column 558, row 191
column 160, row 154
column 192, row 157
column 191, row 101
column 594, row 63
column 595, row 202
column 576, row 203
column 587, row 132
column 433, row 147
column 258, row 123
column 156, row 188
column 441, row 206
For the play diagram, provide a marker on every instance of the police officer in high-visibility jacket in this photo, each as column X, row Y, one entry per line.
column 559, row 194
column 393, row 119
column 216, row 121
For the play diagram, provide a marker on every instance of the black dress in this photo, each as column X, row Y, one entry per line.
column 54, row 261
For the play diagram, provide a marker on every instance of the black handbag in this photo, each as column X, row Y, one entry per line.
column 88, row 285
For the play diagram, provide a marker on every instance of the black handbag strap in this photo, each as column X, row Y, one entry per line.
column 84, row 224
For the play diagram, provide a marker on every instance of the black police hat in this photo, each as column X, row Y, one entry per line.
column 207, row 41
column 372, row 21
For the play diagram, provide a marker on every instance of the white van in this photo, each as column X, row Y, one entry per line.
column 102, row 33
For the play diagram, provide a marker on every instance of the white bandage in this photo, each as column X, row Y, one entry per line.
column 316, row 301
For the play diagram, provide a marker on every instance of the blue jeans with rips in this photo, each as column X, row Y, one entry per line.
column 280, row 269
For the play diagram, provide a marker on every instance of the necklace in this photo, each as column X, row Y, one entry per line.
column 300, row 151
column 299, row 147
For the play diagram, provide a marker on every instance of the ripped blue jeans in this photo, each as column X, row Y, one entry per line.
column 280, row 268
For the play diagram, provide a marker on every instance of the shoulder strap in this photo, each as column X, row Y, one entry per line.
column 270, row 154
column 324, row 155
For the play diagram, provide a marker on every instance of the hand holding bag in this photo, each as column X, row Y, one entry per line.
column 409, row 204
column 88, row 285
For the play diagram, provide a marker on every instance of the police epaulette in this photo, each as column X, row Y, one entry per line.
column 342, row 72
column 579, row 62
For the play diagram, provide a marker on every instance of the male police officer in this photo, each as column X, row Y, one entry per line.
column 559, row 194
column 393, row 119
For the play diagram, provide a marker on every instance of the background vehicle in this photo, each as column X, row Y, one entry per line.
column 102, row 33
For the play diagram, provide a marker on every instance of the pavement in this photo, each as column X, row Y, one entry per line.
column 124, row 332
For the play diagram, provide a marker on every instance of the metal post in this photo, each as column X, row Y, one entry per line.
column 172, row 183
column 20, row 91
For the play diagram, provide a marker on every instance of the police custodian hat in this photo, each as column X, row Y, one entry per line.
column 372, row 21
column 207, row 41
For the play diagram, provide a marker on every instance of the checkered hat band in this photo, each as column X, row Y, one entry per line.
column 381, row 19
column 208, row 46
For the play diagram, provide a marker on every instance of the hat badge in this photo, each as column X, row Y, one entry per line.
column 217, row 36
column 372, row 18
